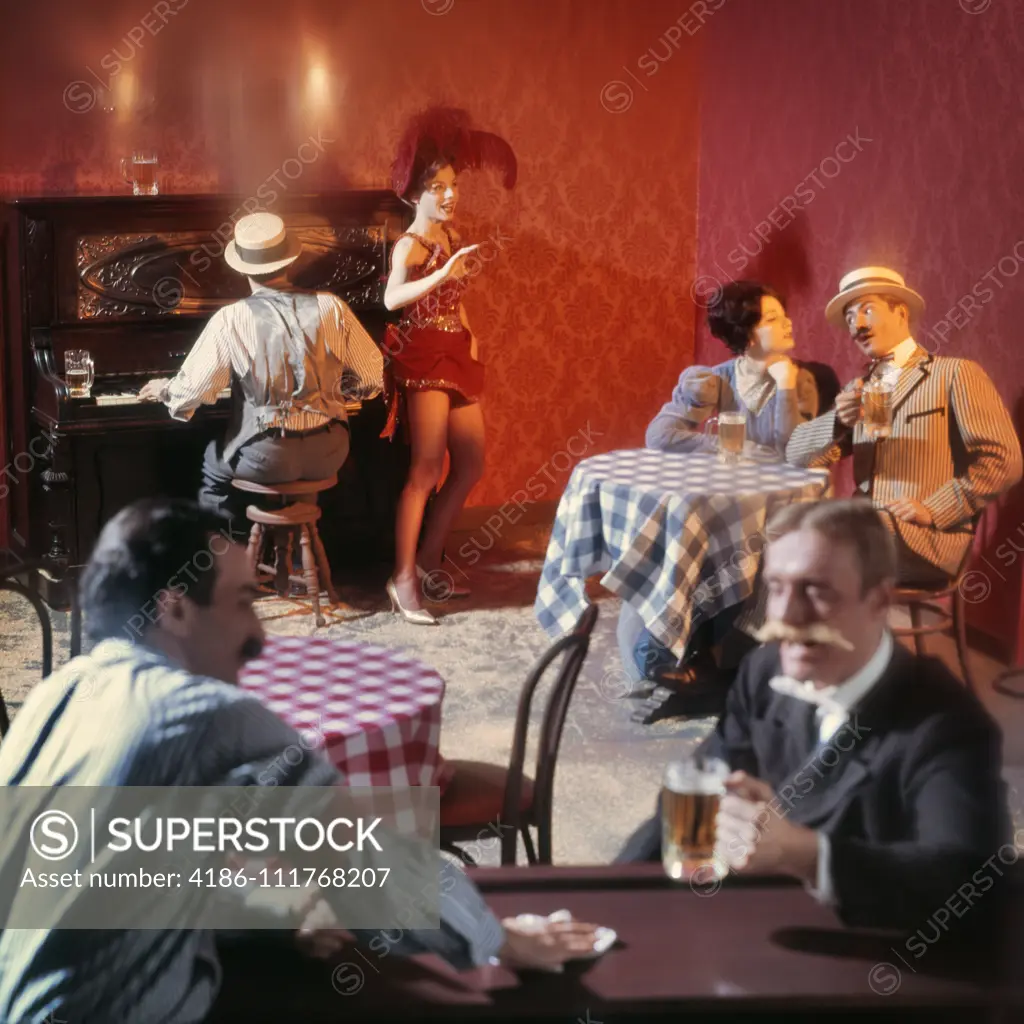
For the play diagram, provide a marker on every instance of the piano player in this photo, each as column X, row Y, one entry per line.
column 295, row 357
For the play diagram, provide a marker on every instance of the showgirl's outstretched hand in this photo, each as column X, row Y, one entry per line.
column 456, row 267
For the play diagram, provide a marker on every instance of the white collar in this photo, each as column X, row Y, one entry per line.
column 902, row 353
column 847, row 693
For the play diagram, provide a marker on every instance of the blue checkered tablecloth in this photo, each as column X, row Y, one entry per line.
column 677, row 536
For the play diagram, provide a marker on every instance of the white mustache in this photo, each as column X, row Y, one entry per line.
column 816, row 633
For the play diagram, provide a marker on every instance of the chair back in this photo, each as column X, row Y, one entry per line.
column 572, row 649
column 15, row 586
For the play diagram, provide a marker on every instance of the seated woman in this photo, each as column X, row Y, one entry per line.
column 762, row 381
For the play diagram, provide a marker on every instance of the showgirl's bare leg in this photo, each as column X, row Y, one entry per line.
column 428, row 427
column 466, row 449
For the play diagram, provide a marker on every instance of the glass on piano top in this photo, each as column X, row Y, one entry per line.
column 140, row 172
column 79, row 372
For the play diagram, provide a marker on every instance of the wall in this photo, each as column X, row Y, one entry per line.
column 930, row 95
column 598, row 239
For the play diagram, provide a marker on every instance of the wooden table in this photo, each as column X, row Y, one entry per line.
column 750, row 951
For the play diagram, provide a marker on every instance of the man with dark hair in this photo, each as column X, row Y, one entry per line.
column 952, row 448
column 864, row 771
column 165, row 712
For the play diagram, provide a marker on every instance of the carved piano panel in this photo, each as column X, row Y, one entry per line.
column 132, row 275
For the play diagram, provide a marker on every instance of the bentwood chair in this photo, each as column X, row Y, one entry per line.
column 945, row 603
column 482, row 798
column 10, row 583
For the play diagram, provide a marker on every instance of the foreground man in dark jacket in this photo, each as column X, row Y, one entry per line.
column 864, row 771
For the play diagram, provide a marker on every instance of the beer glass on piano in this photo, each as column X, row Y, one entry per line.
column 79, row 372
column 876, row 406
column 690, row 794
column 142, row 173
column 732, row 434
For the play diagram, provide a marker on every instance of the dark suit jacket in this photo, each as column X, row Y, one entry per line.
column 915, row 806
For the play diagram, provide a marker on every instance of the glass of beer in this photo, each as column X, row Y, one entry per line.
column 876, row 405
column 79, row 372
column 690, row 794
column 732, row 434
column 140, row 172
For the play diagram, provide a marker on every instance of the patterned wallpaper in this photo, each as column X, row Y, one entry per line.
column 864, row 132
column 583, row 310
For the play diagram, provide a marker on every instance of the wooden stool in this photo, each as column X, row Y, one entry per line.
column 283, row 522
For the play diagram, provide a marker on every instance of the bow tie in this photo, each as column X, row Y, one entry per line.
column 809, row 693
column 884, row 361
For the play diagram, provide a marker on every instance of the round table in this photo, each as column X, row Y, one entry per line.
column 375, row 711
column 677, row 536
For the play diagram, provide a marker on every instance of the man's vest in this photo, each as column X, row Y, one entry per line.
column 293, row 369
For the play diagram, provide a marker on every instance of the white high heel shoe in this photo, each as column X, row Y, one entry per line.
column 418, row 618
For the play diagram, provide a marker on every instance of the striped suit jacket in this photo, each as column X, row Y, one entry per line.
column 953, row 448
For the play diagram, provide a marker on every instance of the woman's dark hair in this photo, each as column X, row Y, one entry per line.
column 151, row 546
column 421, row 178
column 736, row 311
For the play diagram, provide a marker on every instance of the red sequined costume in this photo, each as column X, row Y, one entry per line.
column 429, row 348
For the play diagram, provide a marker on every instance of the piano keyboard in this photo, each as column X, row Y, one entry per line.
column 132, row 398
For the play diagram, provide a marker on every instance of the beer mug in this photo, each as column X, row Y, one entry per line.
column 690, row 794
column 732, row 434
column 79, row 372
column 876, row 407
column 142, row 177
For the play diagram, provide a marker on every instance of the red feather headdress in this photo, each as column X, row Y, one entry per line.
column 447, row 134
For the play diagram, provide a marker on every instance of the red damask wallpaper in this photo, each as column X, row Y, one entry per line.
column 840, row 133
column 583, row 310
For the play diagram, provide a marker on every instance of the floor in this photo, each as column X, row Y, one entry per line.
column 609, row 768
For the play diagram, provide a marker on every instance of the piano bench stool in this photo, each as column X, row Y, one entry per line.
column 281, row 525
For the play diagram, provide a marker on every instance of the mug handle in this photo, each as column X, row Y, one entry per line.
column 92, row 371
column 124, row 171
column 709, row 421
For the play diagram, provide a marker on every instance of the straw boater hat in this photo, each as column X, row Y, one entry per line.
column 261, row 245
column 871, row 281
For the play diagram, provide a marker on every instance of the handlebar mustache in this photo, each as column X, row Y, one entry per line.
column 816, row 633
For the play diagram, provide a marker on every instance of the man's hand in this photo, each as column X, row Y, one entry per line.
column 753, row 839
column 784, row 372
column 848, row 410
column 910, row 510
column 154, row 390
column 319, row 935
column 550, row 946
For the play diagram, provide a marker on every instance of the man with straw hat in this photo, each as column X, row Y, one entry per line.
column 293, row 357
column 951, row 448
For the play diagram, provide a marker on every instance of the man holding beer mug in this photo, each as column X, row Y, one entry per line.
column 932, row 441
column 862, row 770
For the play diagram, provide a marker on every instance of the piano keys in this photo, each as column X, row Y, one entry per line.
column 132, row 280
column 131, row 397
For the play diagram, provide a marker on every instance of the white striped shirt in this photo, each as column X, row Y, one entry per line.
column 230, row 344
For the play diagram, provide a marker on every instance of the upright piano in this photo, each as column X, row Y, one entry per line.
column 133, row 280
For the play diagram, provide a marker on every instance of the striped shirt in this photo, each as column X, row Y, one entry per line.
column 125, row 715
column 230, row 344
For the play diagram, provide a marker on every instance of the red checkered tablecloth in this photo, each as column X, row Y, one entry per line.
column 376, row 711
